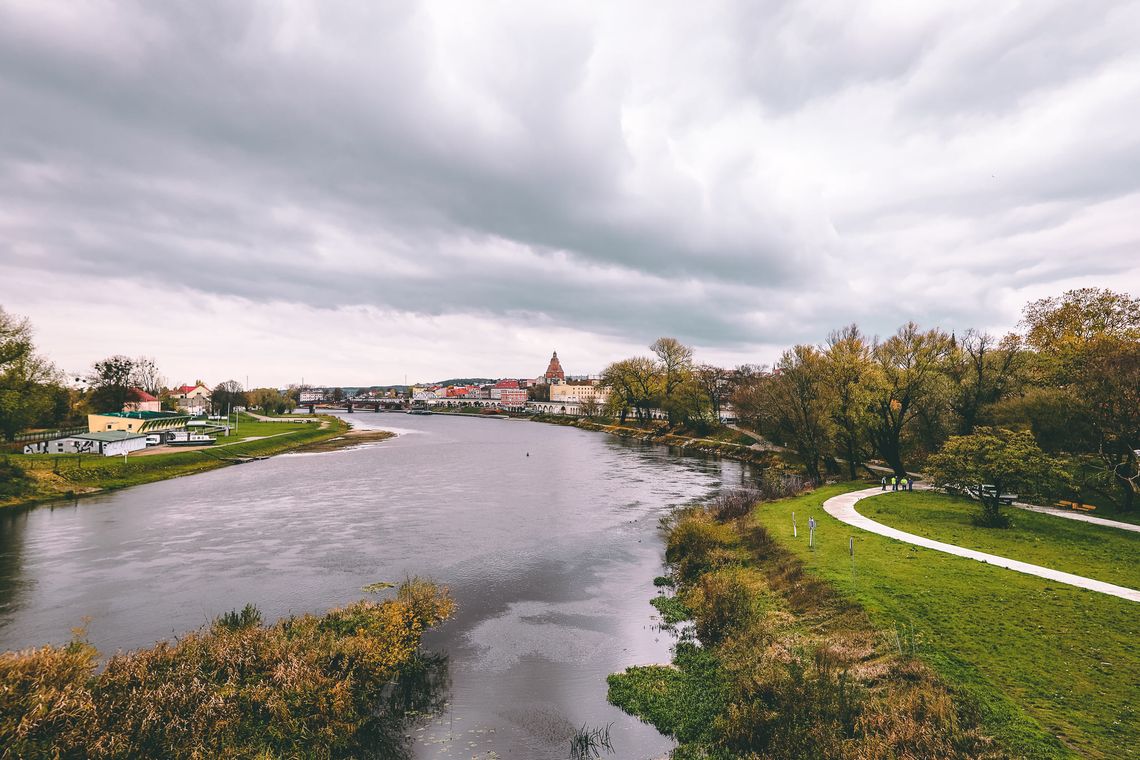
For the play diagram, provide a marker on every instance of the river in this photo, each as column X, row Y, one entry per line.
column 547, row 537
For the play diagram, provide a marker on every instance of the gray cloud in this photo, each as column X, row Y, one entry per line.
column 737, row 175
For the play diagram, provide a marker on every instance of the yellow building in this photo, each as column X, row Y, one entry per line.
column 136, row 422
column 574, row 393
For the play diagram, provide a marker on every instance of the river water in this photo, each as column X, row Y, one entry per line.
column 550, row 557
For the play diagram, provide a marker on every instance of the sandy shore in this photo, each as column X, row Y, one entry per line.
column 350, row 439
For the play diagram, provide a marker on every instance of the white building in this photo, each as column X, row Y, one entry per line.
column 109, row 443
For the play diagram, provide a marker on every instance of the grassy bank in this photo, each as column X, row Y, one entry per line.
column 1038, row 659
column 51, row 477
column 720, row 441
column 1106, row 554
column 785, row 667
column 346, row 684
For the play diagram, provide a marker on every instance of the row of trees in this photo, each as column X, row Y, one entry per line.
column 1072, row 379
column 689, row 394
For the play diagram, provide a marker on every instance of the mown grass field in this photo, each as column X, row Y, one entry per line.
column 1106, row 554
column 1039, row 659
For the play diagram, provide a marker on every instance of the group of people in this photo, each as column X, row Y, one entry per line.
column 898, row 484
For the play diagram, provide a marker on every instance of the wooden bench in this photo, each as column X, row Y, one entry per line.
column 1076, row 505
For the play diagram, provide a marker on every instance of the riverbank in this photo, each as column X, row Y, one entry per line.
column 347, row 683
column 48, row 477
column 988, row 639
column 724, row 442
column 351, row 439
column 785, row 666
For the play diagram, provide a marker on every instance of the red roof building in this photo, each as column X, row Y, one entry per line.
column 139, row 400
column 554, row 370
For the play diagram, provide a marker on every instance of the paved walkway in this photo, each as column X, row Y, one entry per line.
column 842, row 508
column 1080, row 517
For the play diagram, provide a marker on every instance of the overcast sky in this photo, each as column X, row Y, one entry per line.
column 354, row 191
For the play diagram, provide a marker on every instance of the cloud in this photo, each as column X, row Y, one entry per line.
column 741, row 176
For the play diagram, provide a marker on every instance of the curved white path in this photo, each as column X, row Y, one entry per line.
column 842, row 508
column 1078, row 516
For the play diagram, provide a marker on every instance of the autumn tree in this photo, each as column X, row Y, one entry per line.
column 31, row 390
column 796, row 406
column 909, row 375
column 110, row 382
column 1109, row 383
column 985, row 372
column 146, row 376
column 227, row 396
column 715, row 385
column 1059, row 329
column 994, row 461
column 676, row 365
column 847, row 366
column 634, row 386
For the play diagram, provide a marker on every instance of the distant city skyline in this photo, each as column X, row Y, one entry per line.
column 358, row 193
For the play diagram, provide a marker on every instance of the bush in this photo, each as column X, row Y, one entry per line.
column 13, row 480
column 234, row 620
column 724, row 601
column 306, row 686
column 698, row 544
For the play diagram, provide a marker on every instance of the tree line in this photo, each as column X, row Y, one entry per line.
column 1070, row 377
column 35, row 394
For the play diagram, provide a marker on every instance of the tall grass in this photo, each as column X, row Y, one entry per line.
column 344, row 684
column 785, row 668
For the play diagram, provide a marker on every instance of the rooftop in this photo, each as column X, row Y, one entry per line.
column 139, row 395
column 144, row 415
column 108, row 436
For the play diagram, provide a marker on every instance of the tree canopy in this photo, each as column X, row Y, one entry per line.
column 994, row 461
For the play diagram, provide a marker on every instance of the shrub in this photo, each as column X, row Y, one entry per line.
column 697, row 544
column 235, row 620
column 330, row 686
column 13, row 480
column 723, row 601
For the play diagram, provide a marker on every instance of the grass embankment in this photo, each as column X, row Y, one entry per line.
column 51, row 476
column 1039, row 659
column 1106, row 554
column 786, row 667
column 345, row 684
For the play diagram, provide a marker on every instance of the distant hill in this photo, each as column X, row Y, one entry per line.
column 467, row 381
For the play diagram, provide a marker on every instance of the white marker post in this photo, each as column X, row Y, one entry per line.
column 811, row 532
column 851, row 546
column 795, row 533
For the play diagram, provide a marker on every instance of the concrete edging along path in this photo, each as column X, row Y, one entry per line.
column 842, row 508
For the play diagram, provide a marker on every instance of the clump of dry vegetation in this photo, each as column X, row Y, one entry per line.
column 785, row 668
column 339, row 685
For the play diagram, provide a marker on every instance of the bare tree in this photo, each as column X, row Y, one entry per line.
column 145, row 375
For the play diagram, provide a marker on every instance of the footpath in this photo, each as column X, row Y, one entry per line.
column 842, row 508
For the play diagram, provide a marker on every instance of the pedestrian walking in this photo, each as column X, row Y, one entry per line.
column 884, row 482
column 910, row 484
column 903, row 483
column 894, row 483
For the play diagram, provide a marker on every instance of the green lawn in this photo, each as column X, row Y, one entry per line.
column 1106, row 554
column 59, row 476
column 1039, row 659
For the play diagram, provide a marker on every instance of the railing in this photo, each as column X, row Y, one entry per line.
column 47, row 435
